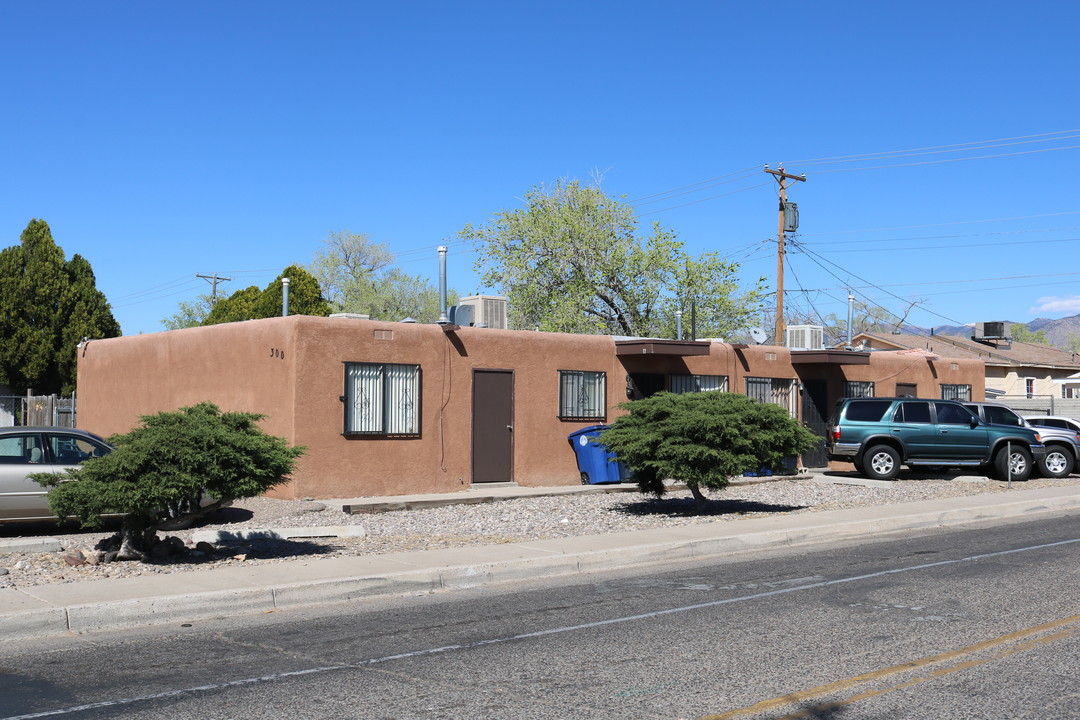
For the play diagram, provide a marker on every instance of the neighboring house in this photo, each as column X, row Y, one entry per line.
column 388, row 408
column 1023, row 375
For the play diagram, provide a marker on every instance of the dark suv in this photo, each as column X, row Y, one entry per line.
column 878, row 435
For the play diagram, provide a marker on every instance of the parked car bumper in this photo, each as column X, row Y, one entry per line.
column 842, row 451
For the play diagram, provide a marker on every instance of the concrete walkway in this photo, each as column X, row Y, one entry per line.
column 235, row 591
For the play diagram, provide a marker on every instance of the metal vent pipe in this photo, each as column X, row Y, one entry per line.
column 443, row 320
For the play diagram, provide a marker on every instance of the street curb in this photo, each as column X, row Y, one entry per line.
column 38, row 611
column 16, row 545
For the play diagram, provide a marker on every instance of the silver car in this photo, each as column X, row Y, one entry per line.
column 28, row 450
column 1057, row 421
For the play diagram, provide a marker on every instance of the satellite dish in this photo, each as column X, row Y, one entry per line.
column 758, row 334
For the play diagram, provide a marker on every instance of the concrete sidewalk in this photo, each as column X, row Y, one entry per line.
column 89, row 606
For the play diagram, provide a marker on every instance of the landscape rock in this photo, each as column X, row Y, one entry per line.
column 517, row 520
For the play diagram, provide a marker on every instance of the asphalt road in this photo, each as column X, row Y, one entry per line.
column 981, row 623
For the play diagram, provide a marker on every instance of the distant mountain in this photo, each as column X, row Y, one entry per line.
column 1058, row 331
column 958, row 330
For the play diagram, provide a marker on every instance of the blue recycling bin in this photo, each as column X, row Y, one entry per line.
column 595, row 462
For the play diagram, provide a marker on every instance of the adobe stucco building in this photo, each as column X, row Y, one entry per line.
column 388, row 408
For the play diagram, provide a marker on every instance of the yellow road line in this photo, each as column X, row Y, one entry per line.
column 807, row 695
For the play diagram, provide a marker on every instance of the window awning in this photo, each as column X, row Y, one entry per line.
column 648, row 346
column 829, row 357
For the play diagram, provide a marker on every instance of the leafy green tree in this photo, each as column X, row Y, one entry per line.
column 305, row 298
column 1021, row 333
column 47, row 306
column 357, row 275
column 159, row 473
column 189, row 314
column 703, row 439
column 1072, row 343
column 571, row 260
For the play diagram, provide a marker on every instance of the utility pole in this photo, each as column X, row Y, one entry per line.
column 213, row 280
column 782, row 178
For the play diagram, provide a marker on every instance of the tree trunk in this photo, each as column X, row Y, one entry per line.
column 699, row 497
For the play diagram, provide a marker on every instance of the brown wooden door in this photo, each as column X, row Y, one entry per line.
column 493, row 426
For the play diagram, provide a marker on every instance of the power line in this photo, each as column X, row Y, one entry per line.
column 814, row 256
column 951, row 247
column 702, row 182
column 947, row 160
column 945, row 224
column 943, row 237
column 671, row 194
column 941, row 149
column 694, row 202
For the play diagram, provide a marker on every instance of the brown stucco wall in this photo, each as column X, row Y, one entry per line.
column 291, row 369
column 927, row 372
column 234, row 366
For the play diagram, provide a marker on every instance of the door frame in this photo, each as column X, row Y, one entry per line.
column 513, row 422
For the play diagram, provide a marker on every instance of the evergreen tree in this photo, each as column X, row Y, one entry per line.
column 47, row 306
column 160, row 473
column 238, row 306
column 305, row 298
column 253, row 304
column 703, row 439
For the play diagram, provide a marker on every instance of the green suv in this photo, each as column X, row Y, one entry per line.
column 879, row 435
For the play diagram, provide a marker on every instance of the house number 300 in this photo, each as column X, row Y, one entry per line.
column 275, row 353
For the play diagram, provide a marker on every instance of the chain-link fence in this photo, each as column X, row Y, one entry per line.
column 1041, row 405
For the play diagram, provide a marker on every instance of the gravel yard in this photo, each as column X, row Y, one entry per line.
column 504, row 521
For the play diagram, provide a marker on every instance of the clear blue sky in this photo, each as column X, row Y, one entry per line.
column 162, row 140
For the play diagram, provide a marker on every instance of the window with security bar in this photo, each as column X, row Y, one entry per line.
column 582, row 395
column 697, row 383
column 858, row 389
column 956, row 392
column 777, row 391
column 382, row 399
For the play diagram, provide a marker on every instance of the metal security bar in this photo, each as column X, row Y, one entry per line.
column 777, row 391
column 382, row 399
column 582, row 394
column 697, row 383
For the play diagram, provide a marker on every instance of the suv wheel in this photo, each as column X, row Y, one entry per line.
column 1058, row 462
column 1018, row 461
column 881, row 462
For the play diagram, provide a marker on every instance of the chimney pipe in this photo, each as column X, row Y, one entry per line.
column 284, row 297
column 850, row 315
column 443, row 320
